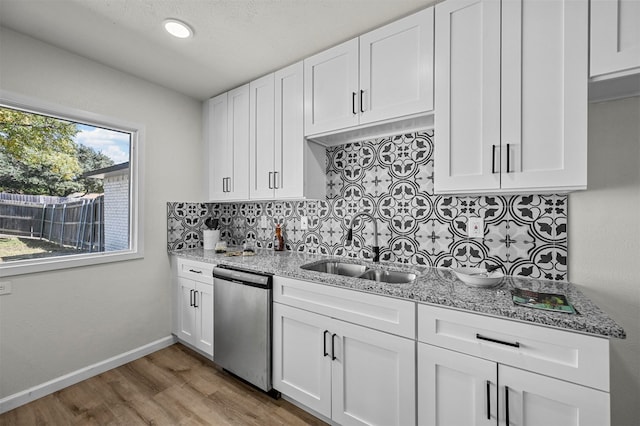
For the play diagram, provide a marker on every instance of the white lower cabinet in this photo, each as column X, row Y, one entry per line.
column 531, row 399
column 193, row 305
column 460, row 389
column 352, row 374
column 455, row 389
column 301, row 366
column 492, row 371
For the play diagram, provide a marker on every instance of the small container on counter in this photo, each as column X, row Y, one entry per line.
column 278, row 239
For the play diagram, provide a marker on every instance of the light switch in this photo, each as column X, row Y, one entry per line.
column 475, row 227
column 263, row 222
column 304, row 223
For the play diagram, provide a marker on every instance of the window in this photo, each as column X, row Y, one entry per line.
column 69, row 187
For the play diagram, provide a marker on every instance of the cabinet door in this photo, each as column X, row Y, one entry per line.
column 528, row 399
column 396, row 68
column 261, row 138
column 544, row 94
column 373, row 377
column 331, row 89
column 238, row 135
column 218, row 146
column 455, row 389
column 186, row 313
column 301, row 357
column 615, row 36
column 203, row 308
column 467, row 95
column 289, row 164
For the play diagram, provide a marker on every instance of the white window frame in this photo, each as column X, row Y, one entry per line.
column 136, row 201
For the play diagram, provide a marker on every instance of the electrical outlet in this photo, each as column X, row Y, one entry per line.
column 5, row 287
column 475, row 227
column 304, row 223
column 263, row 222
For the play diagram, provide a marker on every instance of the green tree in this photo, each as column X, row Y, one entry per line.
column 91, row 160
column 38, row 155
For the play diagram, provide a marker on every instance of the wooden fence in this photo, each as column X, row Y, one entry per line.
column 77, row 223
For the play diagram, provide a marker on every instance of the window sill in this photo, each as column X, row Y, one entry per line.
column 22, row 267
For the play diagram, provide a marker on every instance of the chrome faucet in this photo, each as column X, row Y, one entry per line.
column 376, row 247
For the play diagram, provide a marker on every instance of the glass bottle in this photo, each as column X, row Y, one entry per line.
column 278, row 240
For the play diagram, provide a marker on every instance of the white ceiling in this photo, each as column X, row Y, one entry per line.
column 235, row 41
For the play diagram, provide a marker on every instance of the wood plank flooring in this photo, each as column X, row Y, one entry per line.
column 174, row 386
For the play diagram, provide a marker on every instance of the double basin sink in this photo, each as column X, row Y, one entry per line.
column 360, row 271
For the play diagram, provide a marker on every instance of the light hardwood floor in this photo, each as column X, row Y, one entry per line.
column 174, row 386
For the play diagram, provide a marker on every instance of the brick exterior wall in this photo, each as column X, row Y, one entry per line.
column 116, row 212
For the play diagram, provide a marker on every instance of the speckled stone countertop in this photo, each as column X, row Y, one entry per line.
column 435, row 286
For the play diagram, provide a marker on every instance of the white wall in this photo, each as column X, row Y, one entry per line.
column 604, row 241
column 58, row 322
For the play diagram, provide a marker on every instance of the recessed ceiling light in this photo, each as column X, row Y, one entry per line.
column 177, row 28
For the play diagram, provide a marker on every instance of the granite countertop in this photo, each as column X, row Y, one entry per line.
column 435, row 286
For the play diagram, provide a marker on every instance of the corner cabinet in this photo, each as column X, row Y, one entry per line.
column 281, row 163
column 511, row 95
column 615, row 37
column 469, row 373
column 382, row 75
column 227, row 133
column 193, row 305
column 614, row 49
column 330, row 355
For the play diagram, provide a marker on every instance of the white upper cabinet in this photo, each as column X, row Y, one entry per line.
column 261, row 137
column 615, row 37
column 511, row 95
column 218, row 146
column 615, row 49
column 282, row 164
column 467, row 95
column 396, row 69
column 228, row 145
column 331, row 86
column 382, row 75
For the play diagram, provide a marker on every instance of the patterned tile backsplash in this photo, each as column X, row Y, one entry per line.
column 392, row 179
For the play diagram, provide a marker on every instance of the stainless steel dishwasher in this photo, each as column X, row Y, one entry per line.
column 242, row 324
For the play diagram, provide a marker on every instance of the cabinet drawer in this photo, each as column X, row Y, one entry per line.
column 561, row 354
column 194, row 270
column 379, row 312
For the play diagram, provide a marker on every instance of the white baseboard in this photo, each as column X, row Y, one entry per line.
column 17, row 399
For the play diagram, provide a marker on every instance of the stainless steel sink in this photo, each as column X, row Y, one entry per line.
column 336, row 268
column 391, row 277
column 361, row 271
